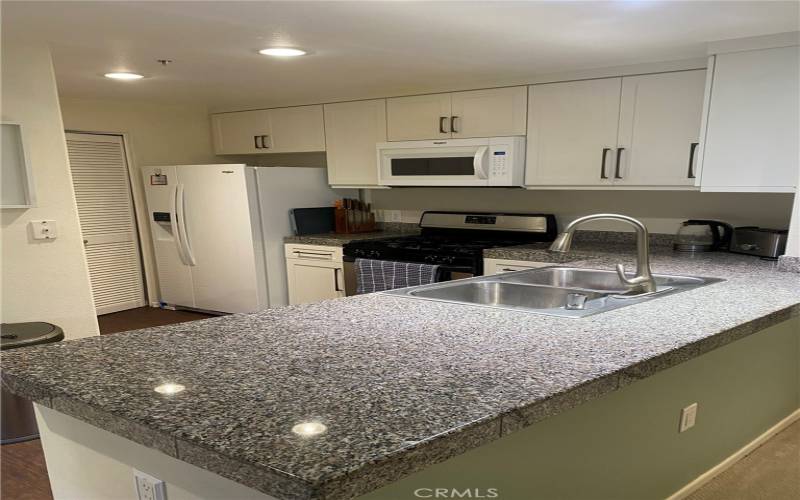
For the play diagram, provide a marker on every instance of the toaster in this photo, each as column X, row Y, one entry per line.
column 762, row 242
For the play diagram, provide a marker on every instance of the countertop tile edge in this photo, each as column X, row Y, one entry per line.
column 519, row 418
column 26, row 389
column 133, row 431
column 413, row 459
column 651, row 366
column 262, row 479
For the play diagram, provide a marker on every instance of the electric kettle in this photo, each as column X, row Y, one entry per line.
column 703, row 236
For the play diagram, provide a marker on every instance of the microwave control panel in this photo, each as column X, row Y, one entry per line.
column 506, row 161
column 498, row 164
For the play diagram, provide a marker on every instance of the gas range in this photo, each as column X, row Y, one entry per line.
column 456, row 240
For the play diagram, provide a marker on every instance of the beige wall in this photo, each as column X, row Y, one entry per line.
column 662, row 211
column 157, row 134
column 42, row 280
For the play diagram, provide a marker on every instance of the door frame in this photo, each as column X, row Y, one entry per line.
column 141, row 218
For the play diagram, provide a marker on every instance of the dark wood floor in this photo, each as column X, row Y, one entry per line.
column 144, row 317
column 23, row 473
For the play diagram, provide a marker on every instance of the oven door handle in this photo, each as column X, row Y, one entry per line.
column 479, row 162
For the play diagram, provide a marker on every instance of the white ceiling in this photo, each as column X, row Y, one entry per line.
column 364, row 49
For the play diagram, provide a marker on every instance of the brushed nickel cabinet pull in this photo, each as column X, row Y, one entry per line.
column 603, row 163
column 619, row 159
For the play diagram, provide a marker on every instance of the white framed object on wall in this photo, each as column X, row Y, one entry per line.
column 17, row 180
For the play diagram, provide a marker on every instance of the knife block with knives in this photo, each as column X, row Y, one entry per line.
column 354, row 216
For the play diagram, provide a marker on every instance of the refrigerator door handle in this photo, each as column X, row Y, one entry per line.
column 181, row 216
column 174, row 225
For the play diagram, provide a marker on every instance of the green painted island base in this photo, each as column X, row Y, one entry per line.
column 626, row 444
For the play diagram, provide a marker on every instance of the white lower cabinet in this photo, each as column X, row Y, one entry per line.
column 314, row 273
column 499, row 266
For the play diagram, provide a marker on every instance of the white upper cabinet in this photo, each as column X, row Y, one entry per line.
column 659, row 129
column 241, row 132
column 752, row 136
column 418, row 117
column 351, row 131
column 489, row 113
column 572, row 132
column 281, row 130
column 476, row 113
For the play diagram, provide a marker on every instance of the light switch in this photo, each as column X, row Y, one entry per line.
column 44, row 229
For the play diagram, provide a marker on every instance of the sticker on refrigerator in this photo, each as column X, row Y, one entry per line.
column 158, row 180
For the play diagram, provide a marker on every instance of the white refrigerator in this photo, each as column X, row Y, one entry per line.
column 218, row 231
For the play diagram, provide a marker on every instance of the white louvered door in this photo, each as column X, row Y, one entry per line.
column 105, row 209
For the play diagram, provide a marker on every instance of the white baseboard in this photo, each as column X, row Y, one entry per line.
column 742, row 452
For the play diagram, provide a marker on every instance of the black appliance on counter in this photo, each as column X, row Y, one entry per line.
column 453, row 240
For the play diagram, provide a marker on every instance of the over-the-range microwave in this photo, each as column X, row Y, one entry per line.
column 488, row 161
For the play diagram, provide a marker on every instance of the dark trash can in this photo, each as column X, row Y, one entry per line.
column 18, row 420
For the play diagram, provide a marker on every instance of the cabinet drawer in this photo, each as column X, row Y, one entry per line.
column 313, row 252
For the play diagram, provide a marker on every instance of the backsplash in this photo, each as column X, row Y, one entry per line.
column 661, row 211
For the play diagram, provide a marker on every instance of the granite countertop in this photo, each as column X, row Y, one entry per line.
column 400, row 383
column 338, row 240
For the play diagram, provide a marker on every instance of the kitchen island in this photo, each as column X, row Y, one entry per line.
column 396, row 397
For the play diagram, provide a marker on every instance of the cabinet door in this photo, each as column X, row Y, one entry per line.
column 569, row 126
column 659, row 128
column 418, row 117
column 296, row 130
column 489, row 113
column 314, row 281
column 352, row 129
column 752, row 129
column 240, row 132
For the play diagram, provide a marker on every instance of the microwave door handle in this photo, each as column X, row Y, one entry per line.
column 479, row 163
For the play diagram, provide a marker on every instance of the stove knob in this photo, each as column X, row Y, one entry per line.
column 430, row 258
column 359, row 252
column 373, row 254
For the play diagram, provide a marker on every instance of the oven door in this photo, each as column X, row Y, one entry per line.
column 445, row 274
column 458, row 162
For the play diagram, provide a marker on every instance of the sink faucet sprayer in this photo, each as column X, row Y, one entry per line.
column 643, row 282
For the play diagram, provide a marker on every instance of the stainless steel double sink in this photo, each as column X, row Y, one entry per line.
column 555, row 291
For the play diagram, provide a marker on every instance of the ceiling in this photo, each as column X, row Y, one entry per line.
column 363, row 49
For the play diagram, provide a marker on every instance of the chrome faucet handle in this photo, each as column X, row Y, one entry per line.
column 622, row 277
column 643, row 283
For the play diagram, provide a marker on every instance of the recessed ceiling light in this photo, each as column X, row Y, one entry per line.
column 282, row 52
column 124, row 75
column 169, row 388
column 307, row 429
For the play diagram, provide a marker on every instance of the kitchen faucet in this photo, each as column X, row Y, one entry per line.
column 643, row 282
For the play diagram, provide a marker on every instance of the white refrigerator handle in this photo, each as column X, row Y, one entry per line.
column 174, row 225
column 181, row 216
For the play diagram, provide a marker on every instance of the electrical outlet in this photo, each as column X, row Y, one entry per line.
column 688, row 417
column 149, row 487
column 44, row 229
